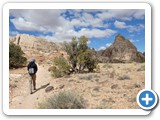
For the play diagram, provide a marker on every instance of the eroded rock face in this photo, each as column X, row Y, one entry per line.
column 41, row 49
column 121, row 51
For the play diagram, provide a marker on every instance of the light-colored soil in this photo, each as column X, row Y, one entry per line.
column 107, row 89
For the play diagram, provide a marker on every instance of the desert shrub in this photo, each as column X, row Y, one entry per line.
column 81, row 57
column 106, row 104
column 112, row 74
column 124, row 77
column 16, row 58
column 88, row 77
column 57, row 73
column 64, row 100
column 62, row 67
column 98, row 69
column 107, row 66
column 142, row 68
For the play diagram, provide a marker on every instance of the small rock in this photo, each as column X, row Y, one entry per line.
column 137, row 85
column 78, row 81
column 114, row 86
column 12, row 85
column 49, row 88
column 61, row 86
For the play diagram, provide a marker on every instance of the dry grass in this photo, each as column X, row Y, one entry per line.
column 124, row 77
column 64, row 100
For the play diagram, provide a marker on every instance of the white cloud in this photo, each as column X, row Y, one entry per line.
column 130, row 28
column 134, row 40
column 136, row 28
column 21, row 24
column 55, row 22
column 102, row 48
column 89, row 42
column 108, row 44
column 119, row 24
column 13, row 33
column 96, row 33
column 122, row 14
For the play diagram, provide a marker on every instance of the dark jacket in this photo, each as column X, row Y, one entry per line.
column 32, row 65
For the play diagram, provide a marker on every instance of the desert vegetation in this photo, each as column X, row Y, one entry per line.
column 64, row 100
column 16, row 58
column 80, row 58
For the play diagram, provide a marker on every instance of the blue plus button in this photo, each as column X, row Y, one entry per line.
column 147, row 99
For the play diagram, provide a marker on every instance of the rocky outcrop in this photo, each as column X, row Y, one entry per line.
column 28, row 42
column 121, row 51
column 42, row 50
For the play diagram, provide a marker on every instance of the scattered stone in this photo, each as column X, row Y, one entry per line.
column 71, row 80
column 61, row 86
column 114, row 86
column 131, row 99
column 78, row 81
column 12, row 85
column 96, row 88
column 49, row 88
column 108, row 100
column 137, row 85
column 97, row 80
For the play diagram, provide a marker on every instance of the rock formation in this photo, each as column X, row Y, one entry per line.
column 121, row 51
column 41, row 49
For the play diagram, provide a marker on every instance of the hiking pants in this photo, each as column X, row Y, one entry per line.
column 32, row 80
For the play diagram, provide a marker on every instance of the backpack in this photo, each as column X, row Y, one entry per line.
column 31, row 71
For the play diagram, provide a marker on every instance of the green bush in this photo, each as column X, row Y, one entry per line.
column 62, row 67
column 56, row 73
column 64, row 100
column 62, row 64
column 81, row 57
column 16, row 58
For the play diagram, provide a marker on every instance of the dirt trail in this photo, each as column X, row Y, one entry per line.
column 26, row 100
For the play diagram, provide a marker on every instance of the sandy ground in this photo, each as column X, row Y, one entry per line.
column 115, row 86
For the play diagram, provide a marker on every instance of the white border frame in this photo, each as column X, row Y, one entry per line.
column 8, row 6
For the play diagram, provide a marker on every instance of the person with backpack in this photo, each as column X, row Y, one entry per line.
column 32, row 70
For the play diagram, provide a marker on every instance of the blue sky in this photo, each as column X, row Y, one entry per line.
column 100, row 26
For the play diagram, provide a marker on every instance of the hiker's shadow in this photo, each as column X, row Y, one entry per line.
column 42, row 87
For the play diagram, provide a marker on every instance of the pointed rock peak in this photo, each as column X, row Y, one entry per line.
column 119, row 37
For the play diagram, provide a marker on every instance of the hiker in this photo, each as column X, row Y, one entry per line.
column 32, row 69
